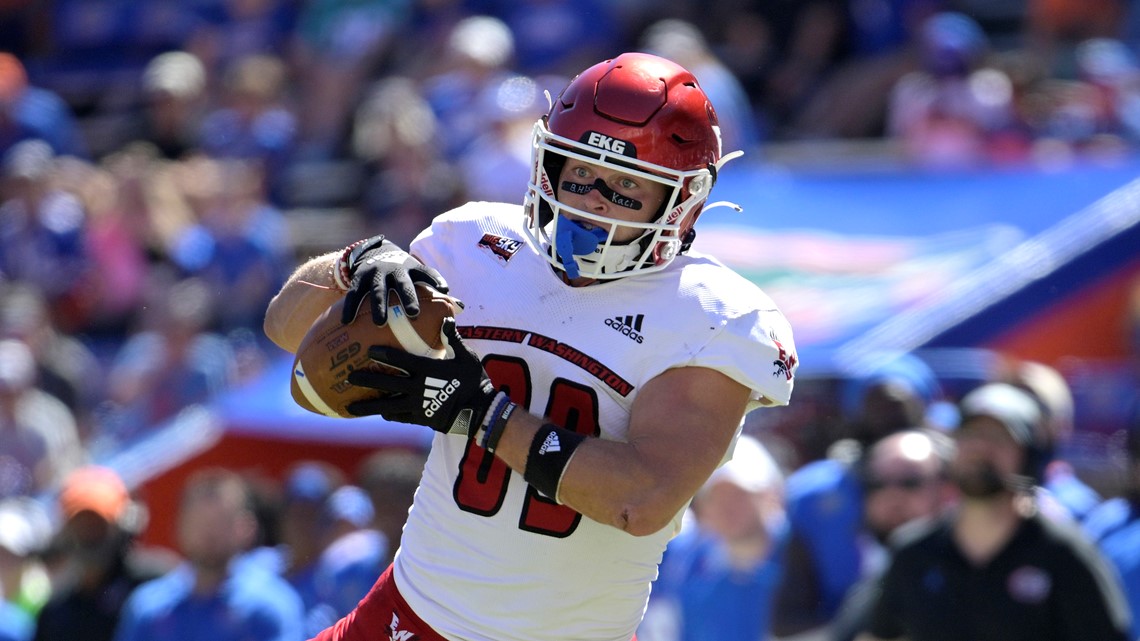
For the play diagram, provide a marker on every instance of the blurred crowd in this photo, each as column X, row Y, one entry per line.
column 255, row 558
column 165, row 163
column 788, row 542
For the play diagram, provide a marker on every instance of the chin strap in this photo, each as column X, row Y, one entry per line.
column 723, row 203
column 715, row 170
column 732, row 155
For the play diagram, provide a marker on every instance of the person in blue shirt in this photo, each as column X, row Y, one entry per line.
column 29, row 112
column 1115, row 527
column 355, row 555
column 205, row 599
column 825, row 497
column 718, row 577
column 15, row 624
column 308, row 486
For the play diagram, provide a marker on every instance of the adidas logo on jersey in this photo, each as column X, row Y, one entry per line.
column 628, row 326
column 436, row 393
column 551, row 444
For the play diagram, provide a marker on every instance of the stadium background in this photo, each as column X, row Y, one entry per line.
column 362, row 116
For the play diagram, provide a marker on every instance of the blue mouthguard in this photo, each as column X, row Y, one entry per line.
column 573, row 239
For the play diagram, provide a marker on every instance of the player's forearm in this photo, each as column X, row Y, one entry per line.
column 604, row 480
column 306, row 294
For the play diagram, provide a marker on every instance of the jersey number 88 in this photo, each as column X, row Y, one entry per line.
column 482, row 483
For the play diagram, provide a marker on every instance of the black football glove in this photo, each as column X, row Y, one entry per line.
column 451, row 395
column 376, row 266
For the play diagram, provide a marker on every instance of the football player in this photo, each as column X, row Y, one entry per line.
column 600, row 371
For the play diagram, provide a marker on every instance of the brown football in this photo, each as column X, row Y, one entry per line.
column 331, row 350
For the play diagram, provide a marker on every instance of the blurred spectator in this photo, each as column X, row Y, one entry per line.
column 479, row 54
column 391, row 476
column 684, row 44
column 254, row 121
column 207, row 598
column 798, row 48
column 422, row 44
column 718, row 577
column 15, row 624
column 95, row 557
column 996, row 567
column 1115, row 527
column 397, row 136
column 904, row 479
column 895, row 394
column 173, row 361
column 1098, row 114
column 340, row 42
column 39, row 441
column 112, row 293
column 227, row 30
column 24, row 583
column 498, row 161
column 1054, row 27
column 174, row 98
column 955, row 111
column 560, row 37
column 308, row 487
column 355, row 554
column 825, row 498
column 888, row 27
column 41, row 228
column 65, row 367
column 152, row 200
column 29, row 112
column 1060, row 485
column 239, row 247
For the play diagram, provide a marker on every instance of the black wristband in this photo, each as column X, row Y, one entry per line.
column 496, row 423
column 550, row 452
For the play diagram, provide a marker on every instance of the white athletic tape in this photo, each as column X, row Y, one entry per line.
column 310, row 393
column 407, row 336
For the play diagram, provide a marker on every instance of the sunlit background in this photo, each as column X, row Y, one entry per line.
column 951, row 183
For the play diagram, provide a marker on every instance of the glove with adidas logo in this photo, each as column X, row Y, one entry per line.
column 451, row 395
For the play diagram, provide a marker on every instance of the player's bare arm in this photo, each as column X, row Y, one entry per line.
column 307, row 293
column 363, row 273
column 681, row 425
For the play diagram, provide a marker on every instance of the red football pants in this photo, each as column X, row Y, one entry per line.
column 382, row 614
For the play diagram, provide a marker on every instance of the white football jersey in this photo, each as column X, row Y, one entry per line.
column 484, row 557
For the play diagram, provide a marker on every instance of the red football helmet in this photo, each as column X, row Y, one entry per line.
column 642, row 115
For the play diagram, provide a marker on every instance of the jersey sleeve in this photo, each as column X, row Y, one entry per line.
column 757, row 350
column 754, row 344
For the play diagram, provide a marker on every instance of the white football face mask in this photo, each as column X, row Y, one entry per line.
column 587, row 248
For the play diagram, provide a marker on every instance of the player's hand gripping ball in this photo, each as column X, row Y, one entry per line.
column 332, row 350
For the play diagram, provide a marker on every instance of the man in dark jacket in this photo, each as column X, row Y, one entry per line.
column 97, row 560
